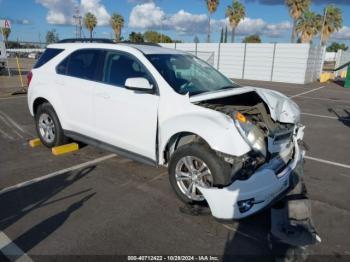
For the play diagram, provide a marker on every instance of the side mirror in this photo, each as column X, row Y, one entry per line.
column 139, row 84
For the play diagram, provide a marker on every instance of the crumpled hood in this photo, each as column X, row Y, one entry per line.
column 282, row 108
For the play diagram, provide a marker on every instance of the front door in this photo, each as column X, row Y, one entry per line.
column 124, row 118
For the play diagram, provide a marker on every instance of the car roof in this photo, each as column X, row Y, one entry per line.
column 144, row 48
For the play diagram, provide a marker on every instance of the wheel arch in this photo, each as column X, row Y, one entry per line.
column 37, row 102
column 179, row 139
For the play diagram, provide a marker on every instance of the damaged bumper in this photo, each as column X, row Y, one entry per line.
column 245, row 197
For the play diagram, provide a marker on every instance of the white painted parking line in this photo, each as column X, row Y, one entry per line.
column 11, row 121
column 57, row 173
column 323, row 116
column 312, row 90
column 4, row 134
column 11, row 250
column 327, row 162
column 344, row 175
column 324, row 99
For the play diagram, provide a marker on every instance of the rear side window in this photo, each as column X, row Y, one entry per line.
column 82, row 64
column 47, row 56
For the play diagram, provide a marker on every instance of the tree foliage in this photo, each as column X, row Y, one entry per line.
column 235, row 13
column 212, row 6
column 296, row 9
column 51, row 37
column 334, row 47
column 90, row 22
column 155, row 37
column 196, row 39
column 252, row 39
column 308, row 25
column 333, row 22
column 117, row 23
column 6, row 33
column 136, row 37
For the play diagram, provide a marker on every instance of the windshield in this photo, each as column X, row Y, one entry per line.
column 188, row 74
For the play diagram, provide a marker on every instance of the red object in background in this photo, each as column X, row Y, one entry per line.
column 29, row 77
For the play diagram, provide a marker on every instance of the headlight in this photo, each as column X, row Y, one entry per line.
column 251, row 133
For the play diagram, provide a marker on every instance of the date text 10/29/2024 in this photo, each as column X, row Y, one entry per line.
column 173, row 258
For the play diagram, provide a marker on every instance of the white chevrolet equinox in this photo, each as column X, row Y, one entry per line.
column 234, row 147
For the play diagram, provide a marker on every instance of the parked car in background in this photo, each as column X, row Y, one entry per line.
column 33, row 55
column 232, row 146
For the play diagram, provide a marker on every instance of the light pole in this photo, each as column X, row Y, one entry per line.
column 323, row 24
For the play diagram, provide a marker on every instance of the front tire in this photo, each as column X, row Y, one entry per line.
column 48, row 126
column 195, row 165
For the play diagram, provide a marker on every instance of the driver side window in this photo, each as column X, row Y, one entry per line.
column 119, row 67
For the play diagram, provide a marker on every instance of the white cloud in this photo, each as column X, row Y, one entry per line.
column 342, row 34
column 146, row 16
column 25, row 22
column 150, row 16
column 187, row 23
column 99, row 10
column 61, row 12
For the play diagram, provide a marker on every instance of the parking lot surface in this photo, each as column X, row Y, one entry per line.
column 94, row 203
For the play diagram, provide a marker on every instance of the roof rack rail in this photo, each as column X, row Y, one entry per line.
column 86, row 40
column 138, row 43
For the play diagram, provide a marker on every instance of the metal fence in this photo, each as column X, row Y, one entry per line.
column 289, row 63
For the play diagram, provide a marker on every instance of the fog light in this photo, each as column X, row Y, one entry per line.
column 245, row 205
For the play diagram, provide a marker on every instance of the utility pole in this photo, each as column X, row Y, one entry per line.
column 77, row 20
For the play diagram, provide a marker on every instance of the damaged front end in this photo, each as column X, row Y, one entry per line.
column 269, row 139
column 263, row 174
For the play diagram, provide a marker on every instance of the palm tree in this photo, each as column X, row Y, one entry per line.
column 296, row 9
column 212, row 5
column 332, row 22
column 235, row 14
column 117, row 22
column 6, row 33
column 308, row 25
column 90, row 22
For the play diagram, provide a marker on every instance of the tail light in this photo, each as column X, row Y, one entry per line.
column 29, row 77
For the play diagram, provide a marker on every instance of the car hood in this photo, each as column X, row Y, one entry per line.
column 282, row 108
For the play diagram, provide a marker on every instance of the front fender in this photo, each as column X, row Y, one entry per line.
column 221, row 137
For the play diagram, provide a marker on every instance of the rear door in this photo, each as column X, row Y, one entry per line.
column 77, row 75
column 124, row 118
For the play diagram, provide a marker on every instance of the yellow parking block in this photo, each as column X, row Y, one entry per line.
column 60, row 150
column 35, row 142
column 343, row 74
column 324, row 77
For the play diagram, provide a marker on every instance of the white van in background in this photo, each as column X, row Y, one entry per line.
column 2, row 55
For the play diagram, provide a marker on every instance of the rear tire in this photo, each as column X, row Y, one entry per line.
column 49, row 127
column 207, row 170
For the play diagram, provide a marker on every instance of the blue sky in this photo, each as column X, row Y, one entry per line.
column 181, row 19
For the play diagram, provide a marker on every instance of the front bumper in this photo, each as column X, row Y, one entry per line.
column 262, row 188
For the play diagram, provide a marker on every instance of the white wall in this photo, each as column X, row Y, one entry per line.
column 315, row 63
column 289, row 63
column 330, row 56
column 25, row 50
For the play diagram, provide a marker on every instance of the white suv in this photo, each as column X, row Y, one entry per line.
column 231, row 146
